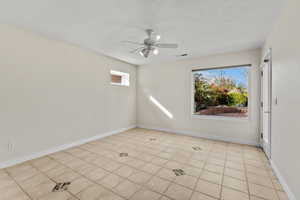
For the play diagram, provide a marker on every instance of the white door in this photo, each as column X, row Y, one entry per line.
column 266, row 107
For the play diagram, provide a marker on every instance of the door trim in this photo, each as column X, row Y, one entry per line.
column 266, row 58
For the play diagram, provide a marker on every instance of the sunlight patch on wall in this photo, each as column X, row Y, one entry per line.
column 161, row 107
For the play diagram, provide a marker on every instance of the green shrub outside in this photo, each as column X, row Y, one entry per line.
column 223, row 91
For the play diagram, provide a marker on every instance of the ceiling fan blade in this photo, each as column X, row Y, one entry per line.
column 136, row 50
column 130, row 42
column 166, row 45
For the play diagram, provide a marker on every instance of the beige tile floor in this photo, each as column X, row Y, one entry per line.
column 212, row 170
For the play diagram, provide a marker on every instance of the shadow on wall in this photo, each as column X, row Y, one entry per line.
column 161, row 107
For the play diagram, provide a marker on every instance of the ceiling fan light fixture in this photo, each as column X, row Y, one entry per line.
column 150, row 45
column 141, row 53
column 145, row 52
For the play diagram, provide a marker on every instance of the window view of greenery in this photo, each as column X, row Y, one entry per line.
column 221, row 92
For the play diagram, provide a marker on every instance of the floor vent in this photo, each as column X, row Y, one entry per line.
column 123, row 154
column 197, row 148
column 178, row 172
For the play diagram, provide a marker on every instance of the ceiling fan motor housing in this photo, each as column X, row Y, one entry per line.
column 149, row 42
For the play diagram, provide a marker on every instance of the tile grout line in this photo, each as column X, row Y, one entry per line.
column 30, row 162
column 143, row 186
column 157, row 151
column 202, row 171
column 16, row 182
column 246, row 175
column 195, row 186
column 268, row 175
column 221, row 192
column 136, row 168
column 171, row 181
column 88, row 179
column 276, row 191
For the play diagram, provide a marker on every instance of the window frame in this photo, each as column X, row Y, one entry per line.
column 214, row 117
column 122, row 74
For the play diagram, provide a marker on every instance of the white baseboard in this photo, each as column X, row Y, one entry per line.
column 282, row 181
column 61, row 147
column 201, row 135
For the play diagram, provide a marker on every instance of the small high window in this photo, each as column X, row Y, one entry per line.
column 221, row 91
column 119, row 78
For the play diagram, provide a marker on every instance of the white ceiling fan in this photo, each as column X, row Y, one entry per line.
column 150, row 44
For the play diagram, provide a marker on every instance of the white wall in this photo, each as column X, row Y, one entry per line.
column 170, row 85
column 285, row 43
column 52, row 93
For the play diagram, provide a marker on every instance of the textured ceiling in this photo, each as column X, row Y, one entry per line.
column 200, row 27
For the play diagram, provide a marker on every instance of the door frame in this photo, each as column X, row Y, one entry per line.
column 266, row 58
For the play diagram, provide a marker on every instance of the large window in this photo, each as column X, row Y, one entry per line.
column 221, row 91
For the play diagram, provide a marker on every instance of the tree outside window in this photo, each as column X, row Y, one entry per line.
column 221, row 91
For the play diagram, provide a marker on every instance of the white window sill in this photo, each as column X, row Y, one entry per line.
column 222, row 118
column 118, row 84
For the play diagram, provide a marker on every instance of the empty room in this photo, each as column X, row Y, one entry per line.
column 149, row 100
